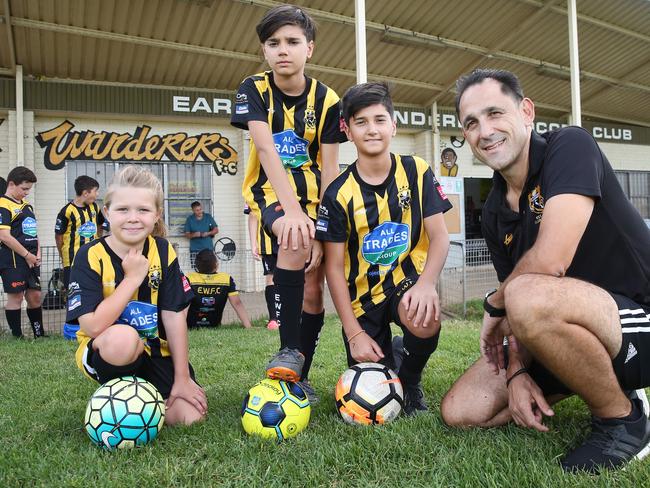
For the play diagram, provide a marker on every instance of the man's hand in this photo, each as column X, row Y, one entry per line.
column 293, row 226
column 363, row 349
column 527, row 403
column 32, row 260
column 135, row 266
column 255, row 251
column 189, row 391
column 492, row 333
column 422, row 303
column 315, row 256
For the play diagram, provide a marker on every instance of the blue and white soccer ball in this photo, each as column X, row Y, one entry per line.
column 124, row 412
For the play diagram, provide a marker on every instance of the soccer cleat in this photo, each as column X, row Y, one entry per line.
column 286, row 365
column 414, row 399
column 398, row 352
column 612, row 443
column 309, row 391
column 272, row 325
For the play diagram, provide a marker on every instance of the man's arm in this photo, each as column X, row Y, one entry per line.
column 563, row 223
column 252, row 234
column 12, row 243
column 362, row 347
column 238, row 305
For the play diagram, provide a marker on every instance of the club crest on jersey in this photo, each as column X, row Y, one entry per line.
column 536, row 203
column 291, row 148
column 154, row 278
column 310, row 118
column 507, row 239
column 385, row 243
column 404, row 198
column 87, row 230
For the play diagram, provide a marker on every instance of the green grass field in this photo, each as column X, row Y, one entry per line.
column 43, row 398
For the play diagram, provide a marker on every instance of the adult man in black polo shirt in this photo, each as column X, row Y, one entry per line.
column 573, row 259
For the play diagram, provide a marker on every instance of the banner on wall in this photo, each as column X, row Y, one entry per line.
column 62, row 143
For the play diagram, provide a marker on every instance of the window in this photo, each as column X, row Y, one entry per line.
column 636, row 185
column 182, row 185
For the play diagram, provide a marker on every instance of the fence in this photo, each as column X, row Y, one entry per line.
column 468, row 274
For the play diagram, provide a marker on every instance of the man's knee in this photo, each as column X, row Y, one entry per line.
column 455, row 412
column 530, row 300
column 182, row 412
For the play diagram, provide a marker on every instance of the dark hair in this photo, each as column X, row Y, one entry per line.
column 282, row 15
column 205, row 261
column 510, row 84
column 83, row 183
column 196, row 204
column 21, row 174
column 448, row 150
column 364, row 95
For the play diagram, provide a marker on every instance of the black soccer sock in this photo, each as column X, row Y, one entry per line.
column 289, row 292
column 13, row 319
column 270, row 300
column 416, row 354
column 310, row 329
column 36, row 318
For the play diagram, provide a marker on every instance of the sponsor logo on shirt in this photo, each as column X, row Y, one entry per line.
column 57, row 226
column 186, row 284
column 241, row 98
column 74, row 302
column 385, row 243
column 441, row 192
column 142, row 316
column 241, row 109
column 322, row 225
column 73, row 287
column 87, row 230
column 29, row 226
column 291, row 148
column 536, row 203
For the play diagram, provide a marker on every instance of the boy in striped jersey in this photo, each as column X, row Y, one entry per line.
column 293, row 121
column 385, row 245
column 78, row 222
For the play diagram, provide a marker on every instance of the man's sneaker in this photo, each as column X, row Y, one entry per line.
column 286, row 365
column 398, row 352
column 272, row 325
column 414, row 399
column 611, row 444
column 309, row 391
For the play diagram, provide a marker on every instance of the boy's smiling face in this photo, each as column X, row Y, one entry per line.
column 371, row 130
column 288, row 50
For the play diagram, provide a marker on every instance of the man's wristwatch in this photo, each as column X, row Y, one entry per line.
column 491, row 310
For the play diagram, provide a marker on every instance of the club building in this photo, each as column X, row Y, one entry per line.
column 65, row 122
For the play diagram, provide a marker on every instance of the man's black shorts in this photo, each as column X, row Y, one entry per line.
column 17, row 280
column 376, row 322
column 159, row 371
column 631, row 365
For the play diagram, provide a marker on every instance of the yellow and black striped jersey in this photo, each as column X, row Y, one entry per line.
column 382, row 226
column 95, row 273
column 211, row 291
column 266, row 245
column 299, row 125
column 77, row 225
column 19, row 219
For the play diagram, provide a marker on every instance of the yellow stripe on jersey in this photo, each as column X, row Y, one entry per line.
column 305, row 120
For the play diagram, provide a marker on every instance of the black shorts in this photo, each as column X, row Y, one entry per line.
column 270, row 214
column 268, row 263
column 66, row 276
column 17, row 280
column 158, row 371
column 631, row 365
column 376, row 322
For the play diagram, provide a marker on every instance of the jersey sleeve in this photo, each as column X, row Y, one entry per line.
column 331, row 224
column 175, row 290
column 332, row 129
column 61, row 224
column 5, row 217
column 232, row 288
column 249, row 105
column 85, row 288
column 434, row 199
column 100, row 218
column 572, row 164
